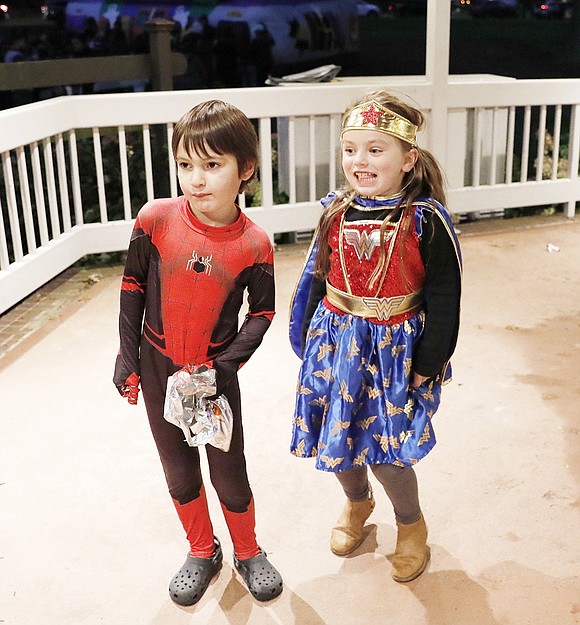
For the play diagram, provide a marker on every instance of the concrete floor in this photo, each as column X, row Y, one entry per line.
column 88, row 534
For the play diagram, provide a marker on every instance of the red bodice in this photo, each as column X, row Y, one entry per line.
column 359, row 242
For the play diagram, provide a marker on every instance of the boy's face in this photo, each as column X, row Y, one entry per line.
column 374, row 163
column 210, row 184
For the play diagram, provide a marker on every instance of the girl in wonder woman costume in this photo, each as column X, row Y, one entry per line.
column 375, row 318
column 189, row 263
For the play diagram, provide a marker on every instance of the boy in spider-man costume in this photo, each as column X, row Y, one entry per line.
column 190, row 260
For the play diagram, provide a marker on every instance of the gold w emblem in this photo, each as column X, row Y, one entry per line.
column 324, row 349
column 303, row 390
column 353, row 349
column 364, row 424
column 364, row 243
column 396, row 350
column 392, row 409
column 387, row 339
column 359, row 460
column 383, row 441
column 331, row 462
column 393, row 442
column 301, row 424
column 426, row 435
column 339, row 426
column 345, row 324
column 429, row 394
column 373, row 393
column 320, row 401
column 383, row 307
column 300, row 449
column 344, row 392
column 405, row 436
column 372, row 369
column 325, row 374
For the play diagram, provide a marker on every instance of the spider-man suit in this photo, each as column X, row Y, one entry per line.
column 181, row 295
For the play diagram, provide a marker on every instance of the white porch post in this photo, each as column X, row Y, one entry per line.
column 437, row 74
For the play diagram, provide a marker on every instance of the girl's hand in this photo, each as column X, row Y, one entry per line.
column 418, row 380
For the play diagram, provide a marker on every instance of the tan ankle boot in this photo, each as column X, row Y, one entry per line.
column 412, row 552
column 348, row 533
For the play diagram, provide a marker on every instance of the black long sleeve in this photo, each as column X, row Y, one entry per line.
column 132, row 306
column 261, row 300
column 441, row 296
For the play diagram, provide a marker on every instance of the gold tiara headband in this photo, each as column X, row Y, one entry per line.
column 373, row 116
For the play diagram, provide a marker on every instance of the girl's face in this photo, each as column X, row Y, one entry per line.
column 210, row 184
column 375, row 163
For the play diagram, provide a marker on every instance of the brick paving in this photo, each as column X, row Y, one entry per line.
column 21, row 323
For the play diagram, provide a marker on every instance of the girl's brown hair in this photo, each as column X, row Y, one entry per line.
column 221, row 128
column 424, row 180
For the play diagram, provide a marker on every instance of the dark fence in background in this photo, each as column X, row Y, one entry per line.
column 158, row 67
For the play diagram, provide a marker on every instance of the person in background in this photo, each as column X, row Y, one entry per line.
column 261, row 57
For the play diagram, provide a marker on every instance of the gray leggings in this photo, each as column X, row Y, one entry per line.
column 400, row 484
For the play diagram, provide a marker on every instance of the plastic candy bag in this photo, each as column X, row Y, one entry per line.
column 202, row 420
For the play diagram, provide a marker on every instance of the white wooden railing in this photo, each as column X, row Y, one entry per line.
column 76, row 169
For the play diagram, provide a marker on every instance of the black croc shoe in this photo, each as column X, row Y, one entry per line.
column 193, row 578
column 262, row 579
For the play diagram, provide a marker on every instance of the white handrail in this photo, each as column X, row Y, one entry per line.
column 81, row 200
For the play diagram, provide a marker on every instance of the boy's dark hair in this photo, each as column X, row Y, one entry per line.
column 221, row 128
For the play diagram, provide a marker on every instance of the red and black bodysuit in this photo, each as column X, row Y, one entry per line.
column 181, row 296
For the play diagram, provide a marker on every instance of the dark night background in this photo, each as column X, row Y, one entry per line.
column 521, row 47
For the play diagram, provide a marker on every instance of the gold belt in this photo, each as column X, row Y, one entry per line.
column 381, row 308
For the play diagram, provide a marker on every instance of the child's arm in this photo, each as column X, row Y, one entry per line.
column 132, row 307
column 441, row 293
column 261, row 297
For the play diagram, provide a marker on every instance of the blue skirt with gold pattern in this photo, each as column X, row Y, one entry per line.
column 354, row 403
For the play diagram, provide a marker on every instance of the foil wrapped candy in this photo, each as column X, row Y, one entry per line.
column 187, row 406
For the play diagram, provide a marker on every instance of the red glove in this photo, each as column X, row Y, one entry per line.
column 130, row 389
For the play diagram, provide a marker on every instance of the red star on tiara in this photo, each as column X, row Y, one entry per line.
column 371, row 115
